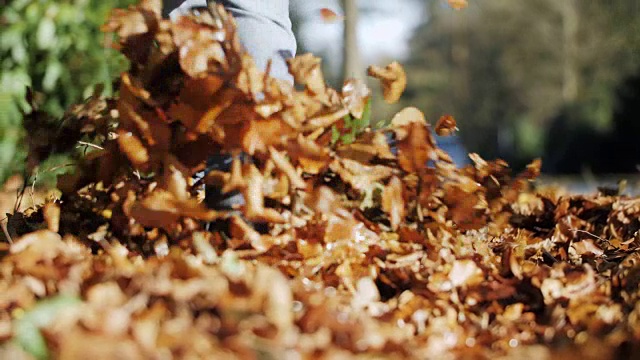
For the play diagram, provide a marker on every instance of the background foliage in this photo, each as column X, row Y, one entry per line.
column 56, row 48
column 533, row 78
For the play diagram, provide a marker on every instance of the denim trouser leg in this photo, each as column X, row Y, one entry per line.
column 264, row 28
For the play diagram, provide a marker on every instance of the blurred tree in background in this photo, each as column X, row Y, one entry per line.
column 56, row 48
column 511, row 71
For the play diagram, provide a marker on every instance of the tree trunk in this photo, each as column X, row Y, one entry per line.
column 571, row 76
column 351, row 64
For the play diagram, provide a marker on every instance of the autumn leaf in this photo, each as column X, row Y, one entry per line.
column 393, row 80
column 458, row 4
column 329, row 16
column 446, row 125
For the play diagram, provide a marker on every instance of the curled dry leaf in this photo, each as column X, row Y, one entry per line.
column 355, row 94
column 393, row 80
column 307, row 71
column 152, row 130
column 446, row 125
column 236, row 180
column 126, row 23
column 133, row 148
column 199, row 47
column 253, row 192
column 250, row 80
column 239, row 229
column 285, row 166
column 259, row 135
column 393, row 202
column 465, row 273
column 45, row 242
column 311, row 157
column 329, row 16
column 458, row 4
column 587, row 248
column 417, row 148
column 161, row 209
column 324, row 120
column 358, row 175
column 407, row 116
column 175, row 179
column 51, row 212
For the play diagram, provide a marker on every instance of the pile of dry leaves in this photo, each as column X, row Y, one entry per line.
column 378, row 247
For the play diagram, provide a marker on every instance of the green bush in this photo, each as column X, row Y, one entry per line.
column 56, row 48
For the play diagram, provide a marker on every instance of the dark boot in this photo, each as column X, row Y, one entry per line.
column 217, row 200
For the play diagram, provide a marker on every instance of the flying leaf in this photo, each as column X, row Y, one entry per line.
column 446, row 125
column 329, row 16
column 393, row 79
column 458, row 4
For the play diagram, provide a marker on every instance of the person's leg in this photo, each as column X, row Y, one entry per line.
column 174, row 8
column 265, row 31
column 264, row 28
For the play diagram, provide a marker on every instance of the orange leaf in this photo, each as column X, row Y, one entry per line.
column 330, row 16
column 133, row 147
column 446, row 125
column 393, row 79
column 458, row 4
column 393, row 202
column 162, row 209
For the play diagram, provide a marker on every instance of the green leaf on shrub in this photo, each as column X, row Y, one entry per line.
column 51, row 75
column 46, row 34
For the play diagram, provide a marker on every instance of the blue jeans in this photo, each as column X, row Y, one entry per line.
column 264, row 28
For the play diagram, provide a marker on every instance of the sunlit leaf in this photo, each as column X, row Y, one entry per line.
column 330, row 16
column 458, row 4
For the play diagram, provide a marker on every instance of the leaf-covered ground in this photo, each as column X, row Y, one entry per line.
column 364, row 244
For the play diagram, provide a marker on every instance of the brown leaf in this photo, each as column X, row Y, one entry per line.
column 257, row 136
column 465, row 208
column 133, row 148
column 458, row 4
column 217, row 113
column 200, row 49
column 236, row 180
column 358, row 175
column 329, row 16
column 306, row 70
column 446, row 125
column 393, row 79
column 311, row 157
column 152, row 130
column 161, row 209
column 407, row 116
column 250, row 80
column 393, row 202
column 239, row 229
column 175, row 178
column 355, row 94
column 285, row 166
column 368, row 147
column 253, row 193
column 51, row 212
column 587, row 247
column 416, row 148
column 465, row 273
